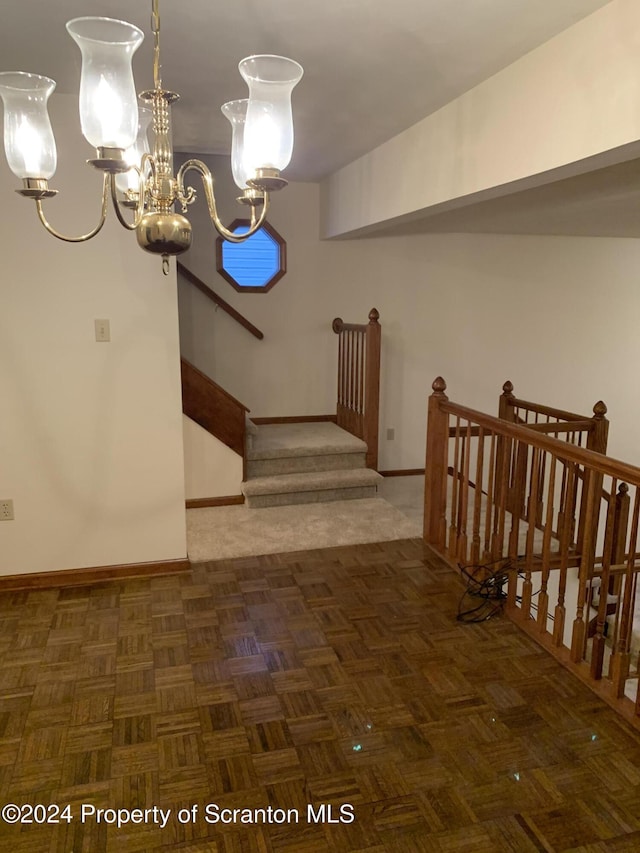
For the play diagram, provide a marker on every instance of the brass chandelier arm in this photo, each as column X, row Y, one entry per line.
column 130, row 226
column 207, row 182
column 83, row 237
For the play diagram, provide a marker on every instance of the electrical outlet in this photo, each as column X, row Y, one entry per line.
column 103, row 331
column 6, row 510
column 391, row 434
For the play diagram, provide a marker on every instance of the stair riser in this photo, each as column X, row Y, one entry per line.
column 304, row 464
column 319, row 496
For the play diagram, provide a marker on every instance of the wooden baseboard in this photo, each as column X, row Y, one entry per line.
column 98, row 574
column 297, row 419
column 402, row 472
column 229, row 500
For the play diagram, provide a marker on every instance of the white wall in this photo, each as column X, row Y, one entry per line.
column 294, row 315
column 90, row 433
column 211, row 469
column 569, row 106
column 556, row 315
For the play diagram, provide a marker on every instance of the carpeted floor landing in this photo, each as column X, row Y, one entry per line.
column 221, row 533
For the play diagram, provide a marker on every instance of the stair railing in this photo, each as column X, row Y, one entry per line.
column 579, row 430
column 358, row 404
column 214, row 409
column 590, row 432
column 219, row 301
column 479, row 469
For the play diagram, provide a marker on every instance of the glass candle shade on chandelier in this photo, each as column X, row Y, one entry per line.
column 138, row 176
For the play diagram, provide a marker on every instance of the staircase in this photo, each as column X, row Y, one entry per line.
column 305, row 463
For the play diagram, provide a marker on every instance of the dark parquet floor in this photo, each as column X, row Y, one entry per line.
column 337, row 678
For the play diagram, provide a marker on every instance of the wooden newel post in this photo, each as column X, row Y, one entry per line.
column 506, row 410
column 372, row 388
column 597, row 438
column 435, row 481
column 621, row 656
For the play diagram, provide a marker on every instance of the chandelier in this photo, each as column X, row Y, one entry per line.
column 139, row 177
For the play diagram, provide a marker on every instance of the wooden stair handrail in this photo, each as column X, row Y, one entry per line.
column 213, row 296
column 358, row 404
column 213, row 408
column 562, row 449
column 596, row 427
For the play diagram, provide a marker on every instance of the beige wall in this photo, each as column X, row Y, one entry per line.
column 294, row 315
column 90, row 433
column 569, row 106
column 211, row 469
column 556, row 315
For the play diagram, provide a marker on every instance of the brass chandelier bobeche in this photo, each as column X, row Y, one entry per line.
column 136, row 177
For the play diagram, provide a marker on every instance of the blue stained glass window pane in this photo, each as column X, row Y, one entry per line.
column 254, row 262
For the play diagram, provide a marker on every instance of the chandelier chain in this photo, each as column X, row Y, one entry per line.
column 155, row 28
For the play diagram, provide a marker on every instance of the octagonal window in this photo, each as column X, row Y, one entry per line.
column 254, row 265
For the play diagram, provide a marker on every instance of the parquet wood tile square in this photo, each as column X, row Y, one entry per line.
column 324, row 677
column 282, row 765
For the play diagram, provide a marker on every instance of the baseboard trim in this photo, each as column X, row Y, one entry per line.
column 297, row 419
column 228, row 500
column 98, row 574
column 402, row 472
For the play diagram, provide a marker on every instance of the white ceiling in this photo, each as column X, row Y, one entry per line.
column 372, row 68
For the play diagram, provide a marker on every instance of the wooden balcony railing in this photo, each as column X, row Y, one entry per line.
column 579, row 430
column 590, row 432
column 358, row 406
column 506, row 500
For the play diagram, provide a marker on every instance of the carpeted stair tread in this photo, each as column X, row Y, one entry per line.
column 278, row 441
column 311, row 481
column 301, row 464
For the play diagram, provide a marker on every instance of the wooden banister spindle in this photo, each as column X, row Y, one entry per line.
column 477, row 501
column 597, row 647
column 621, row 659
column 340, row 358
column 372, row 389
column 518, row 491
column 491, row 508
column 435, row 480
column 464, row 495
column 352, row 372
column 499, row 518
column 565, row 524
column 453, row 521
column 527, row 587
column 345, row 365
column 593, row 485
column 621, row 523
column 543, row 597
column 618, row 540
column 361, row 367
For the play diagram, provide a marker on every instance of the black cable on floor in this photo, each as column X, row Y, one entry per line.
column 484, row 596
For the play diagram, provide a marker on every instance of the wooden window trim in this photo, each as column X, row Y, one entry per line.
column 280, row 242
